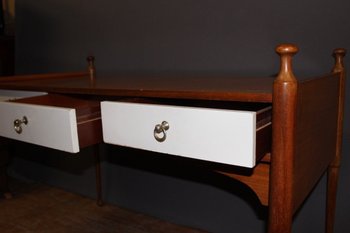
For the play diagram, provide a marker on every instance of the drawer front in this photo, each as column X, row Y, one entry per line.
column 52, row 127
column 224, row 136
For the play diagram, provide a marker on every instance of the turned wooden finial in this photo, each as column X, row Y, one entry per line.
column 286, row 52
column 91, row 67
column 339, row 55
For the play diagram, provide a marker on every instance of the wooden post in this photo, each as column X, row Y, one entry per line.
column 96, row 152
column 333, row 169
column 4, row 159
column 283, row 140
column 91, row 69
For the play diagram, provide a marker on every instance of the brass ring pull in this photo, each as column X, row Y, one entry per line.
column 160, row 131
column 17, row 124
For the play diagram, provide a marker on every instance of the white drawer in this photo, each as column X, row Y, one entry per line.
column 217, row 135
column 52, row 121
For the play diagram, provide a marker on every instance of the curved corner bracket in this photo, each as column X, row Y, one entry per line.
column 257, row 182
column 286, row 52
column 339, row 55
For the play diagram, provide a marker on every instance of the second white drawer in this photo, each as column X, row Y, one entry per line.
column 217, row 135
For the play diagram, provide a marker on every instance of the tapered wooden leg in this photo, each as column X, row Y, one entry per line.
column 333, row 169
column 98, row 176
column 332, row 184
column 4, row 189
column 4, row 158
column 280, row 218
column 280, row 224
column 284, row 110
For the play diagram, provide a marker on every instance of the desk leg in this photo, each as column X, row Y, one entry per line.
column 280, row 218
column 332, row 183
column 333, row 169
column 4, row 158
column 98, row 175
column 284, row 117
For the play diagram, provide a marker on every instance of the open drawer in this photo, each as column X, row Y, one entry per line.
column 235, row 137
column 54, row 121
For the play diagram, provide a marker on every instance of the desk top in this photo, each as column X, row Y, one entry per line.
column 222, row 87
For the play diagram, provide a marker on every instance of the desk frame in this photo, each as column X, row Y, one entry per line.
column 283, row 180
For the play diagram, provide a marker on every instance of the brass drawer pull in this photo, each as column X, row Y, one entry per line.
column 160, row 131
column 17, row 124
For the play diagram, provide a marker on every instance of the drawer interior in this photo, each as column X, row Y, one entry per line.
column 84, row 108
column 263, row 110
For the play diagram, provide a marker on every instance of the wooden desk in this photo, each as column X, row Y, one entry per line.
column 306, row 114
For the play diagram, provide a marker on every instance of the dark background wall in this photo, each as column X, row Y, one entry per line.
column 176, row 36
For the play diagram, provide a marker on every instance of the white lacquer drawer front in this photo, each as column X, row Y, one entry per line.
column 52, row 127
column 55, row 121
column 217, row 135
